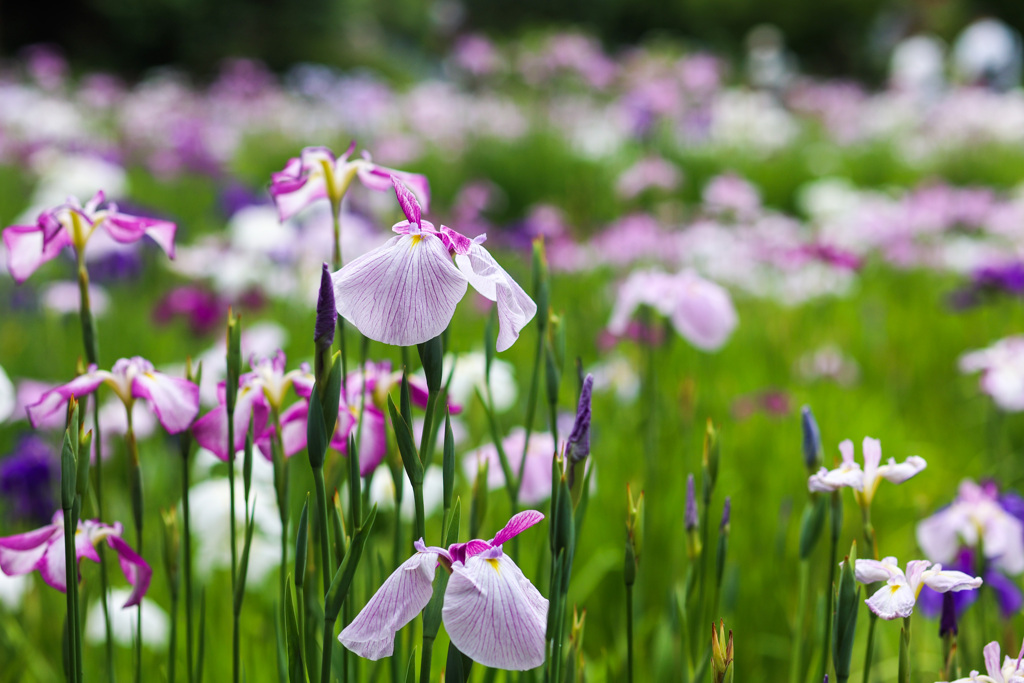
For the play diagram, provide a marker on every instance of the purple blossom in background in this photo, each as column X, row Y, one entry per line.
column 28, row 478
column 536, row 476
column 201, row 308
column 1002, row 371
column 43, row 549
column 1008, row 595
column 988, row 281
column 72, row 224
column 492, row 613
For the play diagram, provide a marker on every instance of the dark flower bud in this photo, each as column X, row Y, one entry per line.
column 326, row 311
column 947, row 622
column 812, row 439
column 691, row 519
column 726, row 514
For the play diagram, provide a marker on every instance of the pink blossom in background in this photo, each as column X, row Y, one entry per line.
column 650, row 173
column 1002, row 371
column 536, row 476
column 43, row 549
column 72, row 224
column 731, row 195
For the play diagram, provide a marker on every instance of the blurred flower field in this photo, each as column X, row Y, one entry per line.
column 715, row 254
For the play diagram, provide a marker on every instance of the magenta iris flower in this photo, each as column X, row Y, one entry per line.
column 405, row 292
column 72, row 224
column 175, row 400
column 492, row 613
column 43, row 549
column 316, row 174
column 259, row 392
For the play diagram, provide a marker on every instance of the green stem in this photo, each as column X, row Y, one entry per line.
column 91, row 346
column 325, row 569
column 173, row 643
column 427, row 657
column 417, row 495
column 836, row 525
column 71, row 579
column 531, row 411
column 629, row 634
column 235, row 631
column 904, row 670
column 336, row 264
column 869, row 650
column 281, row 484
column 796, row 658
column 135, row 492
column 187, row 551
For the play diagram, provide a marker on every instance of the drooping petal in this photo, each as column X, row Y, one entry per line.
column 515, row 307
column 404, row 595
column 898, row 473
column 379, row 178
column 402, row 293
column 136, row 570
column 55, row 400
column 945, row 580
column 20, row 553
column 870, row 571
column 407, row 200
column 893, row 600
column 703, row 314
column 517, row 525
column 26, row 249
column 175, row 399
column 493, row 614
column 824, row 481
column 52, row 565
column 301, row 182
column 125, row 229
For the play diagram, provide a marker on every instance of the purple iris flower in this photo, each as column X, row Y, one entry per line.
column 27, row 479
column 405, row 292
column 492, row 613
column 202, row 308
column 316, row 174
column 174, row 400
column 72, row 224
column 43, row 549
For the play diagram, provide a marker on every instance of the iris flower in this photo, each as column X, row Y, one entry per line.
column 259, row 392
column 43, row 549
column 492, row 613
column 71, row 223
column 405, row 292
column 864, row 482
column 175, row 400
column 1012, row 671
column 896, row 599
column 316, row 174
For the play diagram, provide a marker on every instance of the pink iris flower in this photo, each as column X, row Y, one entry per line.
column 700, row 310
column 259, row 392
column 175, row 400
column 492, row 613
column 405, row 292
column 315, row 174
column 43, row 549
column 71, row 223
column 365, row 392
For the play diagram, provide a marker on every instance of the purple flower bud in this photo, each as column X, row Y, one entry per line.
column 578, row 446
column 947, row 623
column 726, row 514
column 812, row 439
column 326, row 312
column 691, row 505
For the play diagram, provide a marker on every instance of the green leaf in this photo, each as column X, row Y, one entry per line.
column 296, row 663
column 448, row 462
column 243, row 565
column 301, row 543
column 346, row 572
column 317, row 437
column 406, row 445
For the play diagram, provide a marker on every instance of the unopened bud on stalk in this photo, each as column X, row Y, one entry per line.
column 635, row 522
column 721, row 654
column 691, row 520
column 234, row 360
column 326, row 322
column 723, row 526
column 577, row 448
column 811, row 440
column 710, row 459
column 69, row 458
column 172, row 546
column 947, row 621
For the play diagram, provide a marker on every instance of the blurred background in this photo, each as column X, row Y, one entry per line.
column 828, row 37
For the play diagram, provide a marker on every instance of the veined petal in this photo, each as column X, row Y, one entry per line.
column 52, row 565
column 55, row 400
column 136, row 570
column 403, row 293
column 26, row 249
column 175, row 399
column 404, row 595
column 992, row 653
column 379, row 178
column 893, row 600
column 407, row 200
column 870, row 571
column 515, row 307
column 493, row 614
column 517, row 525
column 898, row 473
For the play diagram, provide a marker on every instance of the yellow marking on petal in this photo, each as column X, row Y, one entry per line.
column 493, row 562
column 416, row 239
column 894, row 589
